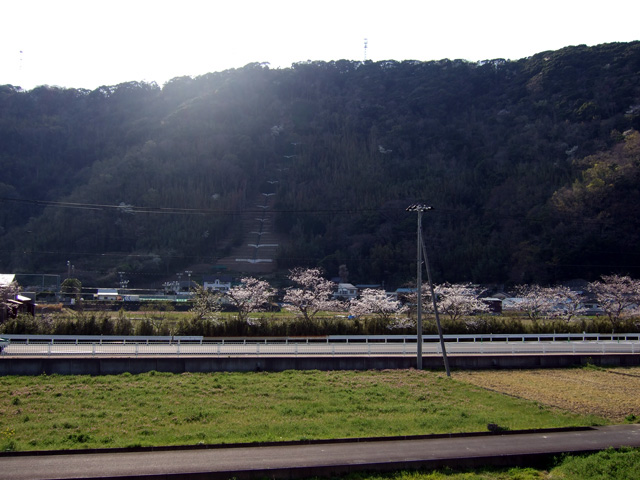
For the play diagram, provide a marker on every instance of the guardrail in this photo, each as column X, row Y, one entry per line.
column 97, row 338
column 370, row 345
column 449, row 338
column 492, row 337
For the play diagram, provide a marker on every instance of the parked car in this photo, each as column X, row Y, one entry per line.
column 3, row 343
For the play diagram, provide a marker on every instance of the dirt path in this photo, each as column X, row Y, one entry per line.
column 613, row 394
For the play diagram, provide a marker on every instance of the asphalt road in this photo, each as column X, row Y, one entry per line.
column 303, row 460
column 337, row 348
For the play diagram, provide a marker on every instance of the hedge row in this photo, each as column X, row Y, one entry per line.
column 162, row 323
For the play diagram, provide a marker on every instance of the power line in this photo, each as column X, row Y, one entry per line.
column 131, row 209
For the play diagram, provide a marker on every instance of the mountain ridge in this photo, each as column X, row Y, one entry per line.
column 146, row 180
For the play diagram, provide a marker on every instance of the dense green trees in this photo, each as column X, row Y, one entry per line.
column 524, row 161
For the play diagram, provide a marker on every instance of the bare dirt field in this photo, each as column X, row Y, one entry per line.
column 610, row 393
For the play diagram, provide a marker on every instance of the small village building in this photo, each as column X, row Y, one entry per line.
column 108, row 294
column 217, row 283
column 512, row 303
column 346, row 291
column 372, row 286
column 401, row 294
column 494, row 304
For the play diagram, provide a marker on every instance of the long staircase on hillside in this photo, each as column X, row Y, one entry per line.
column 257, row 254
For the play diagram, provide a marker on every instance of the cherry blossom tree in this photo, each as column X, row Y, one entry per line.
column 376, row 302
column 411, row 299
column 618, row 296
column 312, row 294
column 251, row 295
column 205, row 302
column 568, row 303
column 536, row 301
column 454, row 300
column 7, row 292
column 459, row 300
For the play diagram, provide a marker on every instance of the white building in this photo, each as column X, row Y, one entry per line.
column 107, row 294
column 345, row 291
column 221, row 283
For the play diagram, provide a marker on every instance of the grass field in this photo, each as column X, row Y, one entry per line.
column 609, row 393
column 67, row 412
column 623, row 464
column 63, row 412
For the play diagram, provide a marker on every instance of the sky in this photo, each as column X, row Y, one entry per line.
column 90, row 43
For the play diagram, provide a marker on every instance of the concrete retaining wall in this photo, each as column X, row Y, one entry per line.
column 182, row 364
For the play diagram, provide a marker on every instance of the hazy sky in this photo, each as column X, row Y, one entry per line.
column 88, row 43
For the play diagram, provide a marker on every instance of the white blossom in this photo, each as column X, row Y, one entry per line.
column 375, row 302
column 459, row 300
column 536, row 301
column 250, row 296
column 206, row 303
column 618, row 296
column 7, row 292
column 568, row 303
column 312, row 294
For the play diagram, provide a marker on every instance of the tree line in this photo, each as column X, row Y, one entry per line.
column 315, row 309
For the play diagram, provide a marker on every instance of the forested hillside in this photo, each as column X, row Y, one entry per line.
column 532, row 167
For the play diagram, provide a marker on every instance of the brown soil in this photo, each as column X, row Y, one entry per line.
column 613, row 394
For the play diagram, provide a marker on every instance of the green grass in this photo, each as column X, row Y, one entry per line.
column 65, row 412
column 623, row 464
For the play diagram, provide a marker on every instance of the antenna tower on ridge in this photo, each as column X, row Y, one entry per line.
column 366, row 42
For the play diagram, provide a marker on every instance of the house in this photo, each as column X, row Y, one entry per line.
column 512, row 303
column 373, row 286
column 401, row 294
column 346, row 291
column 217, row 283
column 176, row 287
column 494, row 304
column 109, row 294
column 20, row 304
column 592, row 308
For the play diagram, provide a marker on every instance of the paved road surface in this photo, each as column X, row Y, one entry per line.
column 295, row 461
column 338, row 348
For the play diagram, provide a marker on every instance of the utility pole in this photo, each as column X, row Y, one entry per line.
column 420, row 209
column 422, row 251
